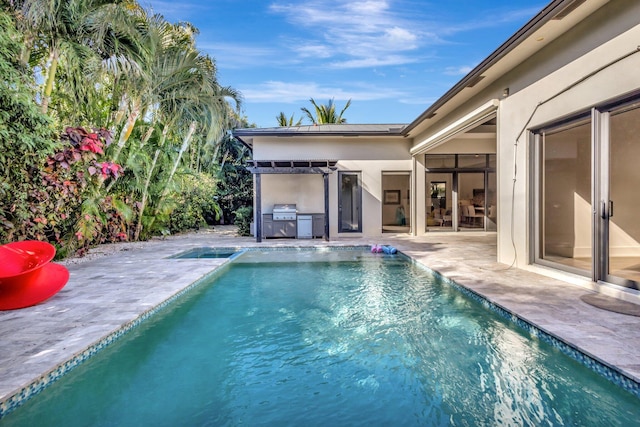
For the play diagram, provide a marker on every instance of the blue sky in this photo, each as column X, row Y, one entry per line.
column 391, row 58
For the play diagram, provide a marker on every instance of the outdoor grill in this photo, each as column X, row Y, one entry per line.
column 284, row 212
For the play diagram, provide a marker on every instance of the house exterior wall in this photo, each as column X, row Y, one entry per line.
column 368, row 156
column 466, row 146
column 608, row 82
column 305, row 191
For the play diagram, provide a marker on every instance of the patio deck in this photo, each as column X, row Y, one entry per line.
column 105, row 293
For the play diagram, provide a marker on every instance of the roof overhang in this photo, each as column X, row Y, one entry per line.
column 291, row 166
column 475, row 118
column 247, row 135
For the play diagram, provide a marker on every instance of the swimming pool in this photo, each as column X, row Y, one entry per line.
column 347, row 338
column 207, row 252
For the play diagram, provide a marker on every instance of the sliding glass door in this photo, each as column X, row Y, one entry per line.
column 439, row 201
column 461, row 192
column 621, row 206
column 565, row 227
column 349, row 202
column 588, row 197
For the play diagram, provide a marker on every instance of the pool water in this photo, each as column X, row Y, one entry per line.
column 353, row 339
column 208, row 253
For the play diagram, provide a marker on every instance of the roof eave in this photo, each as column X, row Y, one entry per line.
column 249, row 132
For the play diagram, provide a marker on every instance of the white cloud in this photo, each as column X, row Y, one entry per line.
column 296, row 92
column 458, row 71
column 313, row 50
column 398, row 35
column 373, row 61
column 372, row 32
column 359, row 34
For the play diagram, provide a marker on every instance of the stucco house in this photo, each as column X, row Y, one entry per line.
column 539, row 143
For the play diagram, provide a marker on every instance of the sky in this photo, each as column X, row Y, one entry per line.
column 391, row 58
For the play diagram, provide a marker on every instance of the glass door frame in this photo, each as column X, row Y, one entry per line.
column 408, row 211
column 602, row 125
column 536, row 198
column 358, row 175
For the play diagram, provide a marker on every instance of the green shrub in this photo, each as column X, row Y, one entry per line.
column 195, row 203
column 243, row 218
column 26, row 138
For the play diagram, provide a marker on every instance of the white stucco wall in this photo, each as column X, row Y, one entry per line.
column 305, row 191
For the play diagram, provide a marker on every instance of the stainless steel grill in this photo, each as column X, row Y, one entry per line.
column 284, row 212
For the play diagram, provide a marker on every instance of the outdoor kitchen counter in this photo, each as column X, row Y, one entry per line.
column 289, row 228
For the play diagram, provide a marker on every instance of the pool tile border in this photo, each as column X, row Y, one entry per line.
column 610, row 373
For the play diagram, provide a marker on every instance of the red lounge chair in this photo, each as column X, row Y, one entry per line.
column 27, row 276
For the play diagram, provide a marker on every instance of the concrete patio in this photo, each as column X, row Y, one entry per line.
column 109, row 291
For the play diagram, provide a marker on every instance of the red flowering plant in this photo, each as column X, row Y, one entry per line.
column 106, row 169
column 69, row 190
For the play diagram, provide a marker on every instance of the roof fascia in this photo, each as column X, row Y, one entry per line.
column 288, row 134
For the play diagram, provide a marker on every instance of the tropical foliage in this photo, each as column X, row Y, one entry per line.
column 325, row 113
column 113, row 126
column 235, row 182
column 283, row 121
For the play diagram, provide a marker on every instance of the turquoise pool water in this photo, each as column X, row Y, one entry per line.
column 208, row 253
column 351, row 338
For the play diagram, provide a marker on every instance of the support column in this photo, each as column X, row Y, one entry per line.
column 258, row 200
column 325, row 178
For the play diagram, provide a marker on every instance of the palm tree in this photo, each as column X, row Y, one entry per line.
column 77, row 32
column 325, row 114
column 177, row 91
column 283, row 121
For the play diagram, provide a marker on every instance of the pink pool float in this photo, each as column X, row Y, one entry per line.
column 27, row 275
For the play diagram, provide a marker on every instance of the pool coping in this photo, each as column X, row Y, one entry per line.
column 596, row 364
